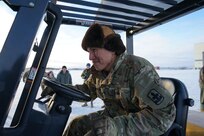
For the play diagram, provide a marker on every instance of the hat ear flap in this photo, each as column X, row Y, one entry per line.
column 114, row 43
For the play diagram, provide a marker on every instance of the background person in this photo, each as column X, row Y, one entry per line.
column 47, row 91
column 201, row 82
column 64, row 77
column 135, row 101
column 25, row 75
column 86, row 72
column 84, row 75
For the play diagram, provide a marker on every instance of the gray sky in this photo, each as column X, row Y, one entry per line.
column 169, row 45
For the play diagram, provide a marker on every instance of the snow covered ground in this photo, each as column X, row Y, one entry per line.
column 188, row 77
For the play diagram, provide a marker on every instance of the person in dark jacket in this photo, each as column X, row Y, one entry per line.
column 64, row 77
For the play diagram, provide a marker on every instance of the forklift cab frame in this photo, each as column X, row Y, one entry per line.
column 20, row 40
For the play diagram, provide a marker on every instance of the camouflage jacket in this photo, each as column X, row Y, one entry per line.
column 201, row 78
column 86, row 73
column 132, row 92
column 201, row 83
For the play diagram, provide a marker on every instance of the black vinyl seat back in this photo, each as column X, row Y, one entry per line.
column 182, row 102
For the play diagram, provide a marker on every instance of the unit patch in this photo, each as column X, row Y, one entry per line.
column 155, row 96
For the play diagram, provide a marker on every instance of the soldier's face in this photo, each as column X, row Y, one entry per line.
column 101, row 58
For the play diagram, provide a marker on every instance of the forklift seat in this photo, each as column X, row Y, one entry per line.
column 182, row 102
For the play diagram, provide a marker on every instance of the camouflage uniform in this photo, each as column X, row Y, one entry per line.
column 201, row 81
column 136, row 104
column 85, row 74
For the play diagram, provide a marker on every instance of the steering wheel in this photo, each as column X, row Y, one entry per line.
column 66, row 90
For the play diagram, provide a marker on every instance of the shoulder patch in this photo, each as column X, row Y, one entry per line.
column 155, row 96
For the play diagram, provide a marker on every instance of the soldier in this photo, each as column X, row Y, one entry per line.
column 86, row 72
column 85, row 75
column 201, row 81
column 135, row 101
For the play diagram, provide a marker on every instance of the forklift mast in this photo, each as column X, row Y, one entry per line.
column 13, row 59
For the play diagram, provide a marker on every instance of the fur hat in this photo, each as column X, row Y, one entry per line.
column 103, row 37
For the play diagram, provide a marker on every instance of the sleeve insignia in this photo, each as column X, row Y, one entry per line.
column 155, row 96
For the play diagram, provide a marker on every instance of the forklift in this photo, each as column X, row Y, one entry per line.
column 30, row 14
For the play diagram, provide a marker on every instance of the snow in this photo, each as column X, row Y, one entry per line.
column 188, row 77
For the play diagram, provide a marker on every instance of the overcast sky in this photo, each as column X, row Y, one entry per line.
column 169, row 45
